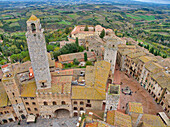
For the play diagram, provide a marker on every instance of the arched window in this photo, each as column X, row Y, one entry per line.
column 33, row 103
column 26, row 103
column 63, row 102
column 35, row 109
column 81, row 103
column 5, row 121
column 45, row 103
column 75, row 108
column 75, row 114
column 10, row 120
column 75, row 102
column 111, row 108
column 81, row 109
column 54, row 103
column 29, row 109
column 33, row 28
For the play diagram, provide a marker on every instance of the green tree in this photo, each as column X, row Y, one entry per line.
column 81, row 49
column 86, row 28
column 147, row 47
column 156, row 53
column 77, row 41
column 66, row 38
column 85, row 56
column 102, row 34
column 151, row 50
column 50, row 48
column 164, row 56
column 2, row 62
column 67, row 30
column 76, row 62
column 88, row 63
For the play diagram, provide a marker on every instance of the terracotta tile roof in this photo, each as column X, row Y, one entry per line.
column 79, row 56
column 124, row 46
column 31, row 74
column 23, row 67
column 58, row 65
column 165, row 62
column 95, row 88
column 99, row 28
column 136, row 54
column 162, row 78
column 152, row 121
column 61, row 84
column 28, row 89
column 62, row 72
column 3, row 96
column 125, row 51
column 80, row 29
column 95, row 124
column 118, row 119
column 33, row 18
column 135, row 107
column 146, row 59
column 4, row 66
column 153, row 67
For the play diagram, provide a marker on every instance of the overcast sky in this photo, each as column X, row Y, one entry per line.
column 156, row 1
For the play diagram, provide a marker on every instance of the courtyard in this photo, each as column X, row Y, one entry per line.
column 139, row 94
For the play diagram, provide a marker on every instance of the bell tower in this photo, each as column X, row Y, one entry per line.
column 38, row 53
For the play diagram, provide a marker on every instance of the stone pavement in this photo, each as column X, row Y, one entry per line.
column 139, row 95
column 54, row 122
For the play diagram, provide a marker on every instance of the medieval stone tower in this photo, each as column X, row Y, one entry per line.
column 38, row 53
column 111, row 48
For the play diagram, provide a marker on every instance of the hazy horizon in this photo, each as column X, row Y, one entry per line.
column 147, row 1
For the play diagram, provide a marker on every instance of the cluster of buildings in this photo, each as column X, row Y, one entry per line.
column 41, row 88
column 132, row 117
column 151, row 72
column 36, row 88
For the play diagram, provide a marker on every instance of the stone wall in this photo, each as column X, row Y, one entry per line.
column 31, row 105
column 38, row 55
column 50, row 102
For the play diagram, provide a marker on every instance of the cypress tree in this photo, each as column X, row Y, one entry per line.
column 102, row 34
column 77, row 41
column 86, row 28
column 85, row 56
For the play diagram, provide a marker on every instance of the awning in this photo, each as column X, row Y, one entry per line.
column 31, row 118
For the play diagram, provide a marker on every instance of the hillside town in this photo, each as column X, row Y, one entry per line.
column 123, row 86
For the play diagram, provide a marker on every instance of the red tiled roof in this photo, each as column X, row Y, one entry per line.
column 77, row 29
column 4, row 66
column 31, row 74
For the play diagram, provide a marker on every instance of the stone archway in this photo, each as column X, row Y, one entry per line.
column 5, row 121
column 75, row 114
column 62, row 113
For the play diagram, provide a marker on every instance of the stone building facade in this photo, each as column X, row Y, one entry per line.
column 112, row 98
column 148, row 71
column 11, row 85
column 38, row 53
column 110, row 54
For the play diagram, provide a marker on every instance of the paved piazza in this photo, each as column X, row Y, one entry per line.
column 139, row 94
column 63, row 122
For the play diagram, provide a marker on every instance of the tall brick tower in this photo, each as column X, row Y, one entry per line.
column 38, row 53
